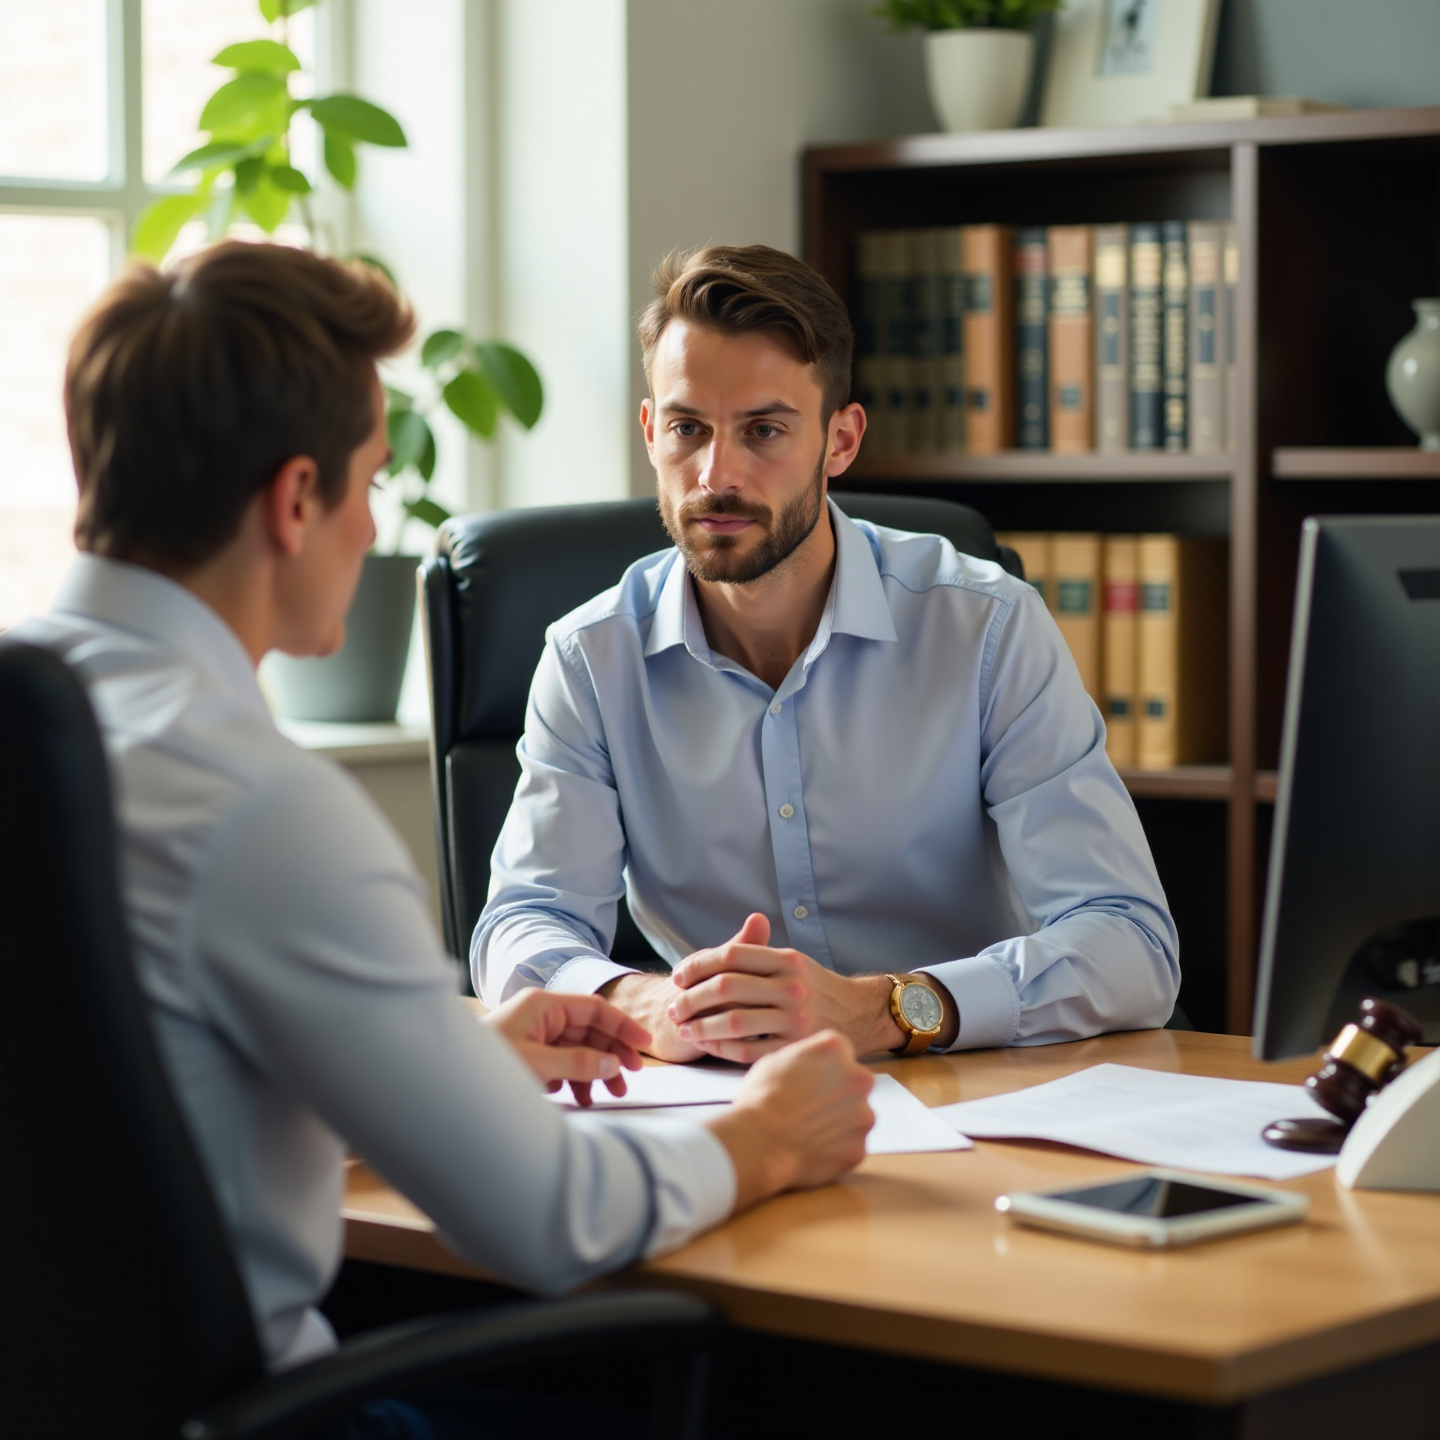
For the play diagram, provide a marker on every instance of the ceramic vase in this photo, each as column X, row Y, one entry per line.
column 361, row 681
column 978, row 79
column 1413, row 375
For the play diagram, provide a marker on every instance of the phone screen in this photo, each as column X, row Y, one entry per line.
column 1153, row 1197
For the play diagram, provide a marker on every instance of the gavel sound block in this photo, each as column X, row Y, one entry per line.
column 1361, row 1060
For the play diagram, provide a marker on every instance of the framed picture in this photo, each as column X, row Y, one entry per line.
column 1113, row 62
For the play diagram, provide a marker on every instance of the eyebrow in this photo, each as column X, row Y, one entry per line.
column 775, row 407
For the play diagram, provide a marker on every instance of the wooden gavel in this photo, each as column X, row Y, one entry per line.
column 1361, row 1059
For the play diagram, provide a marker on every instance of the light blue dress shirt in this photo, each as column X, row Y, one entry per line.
column 928, row 789
column 303, row 1002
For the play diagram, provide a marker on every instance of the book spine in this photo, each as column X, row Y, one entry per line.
column 1232, row 378
column 1032, row 429
column 869, row 374
column 923, row 292
column 1075, row 569
column 1034, row 552
column 1071, row 342
column 989, row 339
column 1121, row 605
column 895, row 341
column 1157, row 652
column 1175, row 298
column 950, row 385
column 1207, row 338
column 1146, row 412
column 1112, row 338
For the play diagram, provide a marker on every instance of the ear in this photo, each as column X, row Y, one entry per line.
column 290, row 503
column 647, row 426
column 846, row 430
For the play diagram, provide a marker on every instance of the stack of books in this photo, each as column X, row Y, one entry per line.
column 1145, row 619
column 1070, row 338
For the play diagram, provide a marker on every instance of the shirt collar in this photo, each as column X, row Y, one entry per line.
column 855, row 606
column 145, row 602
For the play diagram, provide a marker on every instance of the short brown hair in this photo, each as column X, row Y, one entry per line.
column 186, row 391
column 739, row 288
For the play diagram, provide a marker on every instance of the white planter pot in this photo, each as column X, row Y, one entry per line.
column 978, row 79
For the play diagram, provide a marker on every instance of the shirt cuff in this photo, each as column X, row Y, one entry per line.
column 986, row 998
column 692, row 1176
column 585, row 974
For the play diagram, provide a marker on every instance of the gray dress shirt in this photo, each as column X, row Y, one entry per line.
column 303, row 1002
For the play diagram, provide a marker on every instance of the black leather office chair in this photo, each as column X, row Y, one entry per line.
column 495, row 582
column 123, row 1310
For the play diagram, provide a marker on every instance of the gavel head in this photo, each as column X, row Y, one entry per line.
column 1363, row 1058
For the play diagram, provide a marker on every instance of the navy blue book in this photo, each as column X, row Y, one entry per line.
column 1032, row 378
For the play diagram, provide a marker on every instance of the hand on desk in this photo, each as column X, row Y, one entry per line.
column 579, row 1038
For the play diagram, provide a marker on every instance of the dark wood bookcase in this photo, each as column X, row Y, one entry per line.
column 1337, row 220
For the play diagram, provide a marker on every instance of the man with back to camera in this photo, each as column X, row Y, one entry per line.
column 869, row 753
column 226, row 423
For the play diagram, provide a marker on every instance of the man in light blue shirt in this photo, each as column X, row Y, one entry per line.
column 829, row 764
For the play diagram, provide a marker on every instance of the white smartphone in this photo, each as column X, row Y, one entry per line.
column 1155, row 1209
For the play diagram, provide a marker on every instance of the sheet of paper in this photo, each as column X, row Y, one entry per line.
column 702, row 1084
column 903, row 1126
column 1191, row 1122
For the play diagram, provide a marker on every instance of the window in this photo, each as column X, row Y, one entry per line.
column 98, row 98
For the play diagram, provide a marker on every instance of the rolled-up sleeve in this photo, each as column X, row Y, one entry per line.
column 1103, row 954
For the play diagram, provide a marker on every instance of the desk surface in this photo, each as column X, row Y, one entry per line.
column 908, row 1255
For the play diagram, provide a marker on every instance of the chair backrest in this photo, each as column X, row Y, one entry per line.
column 497, row 580
column 123, row 1308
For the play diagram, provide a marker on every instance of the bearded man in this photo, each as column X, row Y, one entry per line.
column 847, row 777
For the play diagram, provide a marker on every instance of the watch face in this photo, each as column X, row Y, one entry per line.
column 920, row 1005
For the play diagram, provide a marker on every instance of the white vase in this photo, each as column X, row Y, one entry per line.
column 1413, row 375
column 978, row 79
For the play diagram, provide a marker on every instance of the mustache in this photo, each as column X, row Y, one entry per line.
column 730, row 506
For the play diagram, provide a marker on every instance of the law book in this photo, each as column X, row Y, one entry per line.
column 1147, row 416
column 894, row 341
column 950, row 365
column 1071, row 340
column 1175, row 362
column 1075, row 571
column 1232, row 376
column 1032, row 388
column 923, row 297
column 1112, row 338
column 869, row 374
column 989, row 339
column 1181, row 652
column 1033, row 548
column 1207, row 337
column 1120, row 606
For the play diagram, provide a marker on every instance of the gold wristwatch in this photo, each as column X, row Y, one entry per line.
column 917, row 1011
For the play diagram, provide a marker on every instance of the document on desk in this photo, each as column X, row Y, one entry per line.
column 702, row 1084
column 903, row 1126
column 1192, row 1122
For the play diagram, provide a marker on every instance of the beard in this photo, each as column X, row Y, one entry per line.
column 718, row 558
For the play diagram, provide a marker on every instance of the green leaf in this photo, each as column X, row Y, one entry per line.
column 514, row 377
column 443, row 345
column 248, row 97
column 219, row 155
column 248, row 173
column 287, row 177
column 426, row 463
column 269, row 57
column 272, row 10
column 472, row 399
column 340, row 159
column 397, row 400
column 267, row 204
column 426, row 510
column 376, row 263
column 358, row 119
column 161, row 223
column 408, row 433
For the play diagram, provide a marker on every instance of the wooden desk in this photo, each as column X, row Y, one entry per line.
column 908, row 1255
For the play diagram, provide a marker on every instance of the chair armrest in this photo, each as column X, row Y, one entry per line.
column 426, row 1352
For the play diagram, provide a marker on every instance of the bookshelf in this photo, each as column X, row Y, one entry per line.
column 1337, row 221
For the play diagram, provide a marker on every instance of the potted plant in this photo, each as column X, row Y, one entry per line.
column 244, row 172
column 978, row 56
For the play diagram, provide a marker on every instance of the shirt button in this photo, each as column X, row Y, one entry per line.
column 799, row 912
column 786, row 810
column 776, row 708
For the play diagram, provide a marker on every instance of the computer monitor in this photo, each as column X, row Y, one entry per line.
column 1356, row 843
